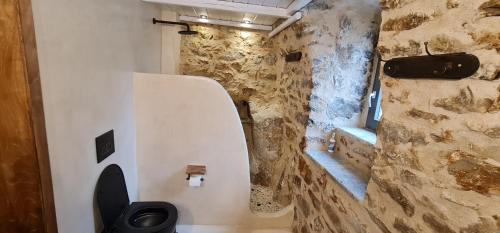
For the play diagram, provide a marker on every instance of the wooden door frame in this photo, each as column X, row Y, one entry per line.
column 37, row 113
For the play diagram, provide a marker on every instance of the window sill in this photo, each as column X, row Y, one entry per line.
column 362, row 134
column 350, row 164
column 349, row 178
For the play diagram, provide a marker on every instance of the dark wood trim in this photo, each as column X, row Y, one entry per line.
column 37, row 113
column 371, row 123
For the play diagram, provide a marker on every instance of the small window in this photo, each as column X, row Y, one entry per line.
column 375, row 100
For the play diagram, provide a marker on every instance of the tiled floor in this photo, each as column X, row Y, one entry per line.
column 224, row 229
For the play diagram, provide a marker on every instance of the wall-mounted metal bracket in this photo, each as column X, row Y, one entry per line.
column 293, row 56
column 441, row 66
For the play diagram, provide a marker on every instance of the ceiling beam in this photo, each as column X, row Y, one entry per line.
column 230, row 6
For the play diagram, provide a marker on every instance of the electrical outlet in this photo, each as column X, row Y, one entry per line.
column 105, row 145
column 293, row 57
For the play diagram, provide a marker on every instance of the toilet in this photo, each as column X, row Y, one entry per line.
column 120, row 216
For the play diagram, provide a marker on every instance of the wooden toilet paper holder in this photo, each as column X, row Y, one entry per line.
column 196, row 170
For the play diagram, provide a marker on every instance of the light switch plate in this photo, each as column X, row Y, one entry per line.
column 105, row 145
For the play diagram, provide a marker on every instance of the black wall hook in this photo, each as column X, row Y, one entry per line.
column 427, row 49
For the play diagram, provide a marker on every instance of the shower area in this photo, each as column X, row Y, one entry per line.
column 261, row 198
column 245, row 64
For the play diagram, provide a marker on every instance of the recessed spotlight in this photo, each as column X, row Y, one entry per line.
column 203, row 19
column 246, row 23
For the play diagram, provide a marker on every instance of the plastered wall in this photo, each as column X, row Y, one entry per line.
column 88, row 51
column 186, row 120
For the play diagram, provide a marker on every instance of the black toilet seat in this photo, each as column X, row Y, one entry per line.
column 119, row 216
column 126, row 222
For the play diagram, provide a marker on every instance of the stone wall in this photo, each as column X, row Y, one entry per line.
column 343, row 35
column 437, row 165
column 438, row 168
column 323, row 91
column 355, row 150
column 323, row 205
column 297, row 104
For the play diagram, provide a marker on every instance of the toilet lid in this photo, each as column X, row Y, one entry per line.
column 112, row 196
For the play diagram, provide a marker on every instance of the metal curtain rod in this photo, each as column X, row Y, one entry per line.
column 155, row 21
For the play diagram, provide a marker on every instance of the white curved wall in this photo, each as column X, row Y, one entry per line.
column 183, row 120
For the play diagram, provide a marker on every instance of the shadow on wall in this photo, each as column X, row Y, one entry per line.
column 98, row 224
column 247, row 122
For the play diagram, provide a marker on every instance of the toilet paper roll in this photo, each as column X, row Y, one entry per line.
column 195, row 181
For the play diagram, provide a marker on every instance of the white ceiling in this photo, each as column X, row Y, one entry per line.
column 271, row 3
column 222, row 15
column 263, row 12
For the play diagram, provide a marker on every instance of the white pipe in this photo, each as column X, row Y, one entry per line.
column 295, row 17
column 297, row 5
column 226, row 23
